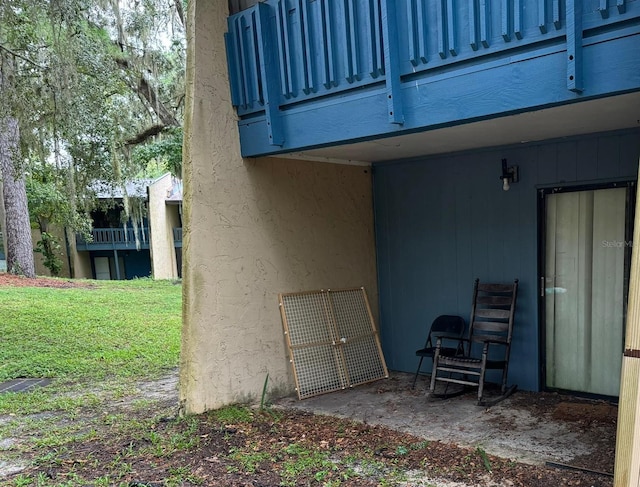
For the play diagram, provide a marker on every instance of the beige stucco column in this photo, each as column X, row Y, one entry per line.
column 162, row 221
column 41, row 269
column 82, row 264
column 627, row 466
column 252, row 229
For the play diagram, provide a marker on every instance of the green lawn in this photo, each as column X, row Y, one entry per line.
column 120, row 330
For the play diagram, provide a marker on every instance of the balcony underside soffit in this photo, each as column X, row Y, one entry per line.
column 602, row 115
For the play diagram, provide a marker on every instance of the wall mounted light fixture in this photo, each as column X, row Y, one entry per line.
column 509, row 175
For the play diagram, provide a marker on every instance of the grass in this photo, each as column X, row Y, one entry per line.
column 97, row 343
column 485, row 458
column 120, row 331
column 306, row 461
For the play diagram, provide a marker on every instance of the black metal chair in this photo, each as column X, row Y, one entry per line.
column 490, row 327
column 444, row 327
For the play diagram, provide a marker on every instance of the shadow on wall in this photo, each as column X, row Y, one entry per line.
column 316, row 223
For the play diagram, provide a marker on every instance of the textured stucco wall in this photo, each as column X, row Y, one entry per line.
column 163, row 257
column 173, row 221
column 38, row 258
column 252, row 229
column 82, row 265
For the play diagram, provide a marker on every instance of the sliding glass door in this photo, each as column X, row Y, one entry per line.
column 586, row 250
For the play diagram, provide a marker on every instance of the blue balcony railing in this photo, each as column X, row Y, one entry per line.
column 114, row 238
column 366, row 68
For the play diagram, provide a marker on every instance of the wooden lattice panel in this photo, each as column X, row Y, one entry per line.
column 332, row 339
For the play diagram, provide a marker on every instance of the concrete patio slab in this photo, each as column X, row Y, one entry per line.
column 528, row 427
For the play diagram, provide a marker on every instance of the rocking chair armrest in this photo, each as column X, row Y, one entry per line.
column 492, row 341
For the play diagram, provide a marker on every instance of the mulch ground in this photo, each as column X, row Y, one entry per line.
column 212, row 462
column 21, row 281
column 218, row 455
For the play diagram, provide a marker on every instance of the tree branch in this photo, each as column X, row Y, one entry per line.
column 143, row 88
column 180, row 11
column 13, row 53
column 149, row 93
column 179, row 102
column 145, row 134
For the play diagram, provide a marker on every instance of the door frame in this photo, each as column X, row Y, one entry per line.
column 542, row 192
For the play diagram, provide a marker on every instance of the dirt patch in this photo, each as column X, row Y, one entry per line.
column 586, row 414
column 370, row 451
column 595, row 418
column 7, row 279
column 280, row 446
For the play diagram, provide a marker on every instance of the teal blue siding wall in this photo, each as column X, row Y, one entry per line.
column 443, row 221
column 137, row 264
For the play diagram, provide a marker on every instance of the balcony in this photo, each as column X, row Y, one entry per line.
column 177, row 237
column 310, row 74
column 114, row 239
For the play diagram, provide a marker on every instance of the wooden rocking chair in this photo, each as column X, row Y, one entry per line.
column 491, row 326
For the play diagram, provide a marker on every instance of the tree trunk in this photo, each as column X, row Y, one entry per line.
column 17, row 226
column 70, row 234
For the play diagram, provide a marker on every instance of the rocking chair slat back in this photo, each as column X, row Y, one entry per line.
column 495, row 288
column 491, row 324
column 494, row 300
column 493, row 313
